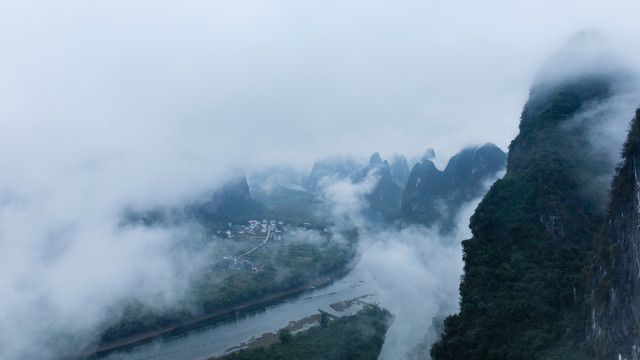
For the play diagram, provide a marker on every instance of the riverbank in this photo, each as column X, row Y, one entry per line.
column 105, row 348
column 358, row 336
column 269, row 338
column 296, row 326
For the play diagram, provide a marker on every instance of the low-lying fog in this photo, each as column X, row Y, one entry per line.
column 106, row 106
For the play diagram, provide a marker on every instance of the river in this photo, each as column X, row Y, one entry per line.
column 215, row 337
column 413, row 277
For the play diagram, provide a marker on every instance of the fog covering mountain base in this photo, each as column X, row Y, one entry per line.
column 434, row 197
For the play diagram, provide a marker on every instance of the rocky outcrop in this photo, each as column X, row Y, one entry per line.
column 399, row 170
column 433, row 197
column 384, row 199
column 615, row 273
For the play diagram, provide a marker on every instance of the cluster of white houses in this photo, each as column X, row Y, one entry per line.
column 254, row 229
column 257, row 228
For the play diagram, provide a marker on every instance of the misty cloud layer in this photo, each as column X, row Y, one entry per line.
column 61, row 284
column 110, row 105
column 195, row 77
column 607, row 125
column 416, row 270
column 417, row 275
column 588, row 55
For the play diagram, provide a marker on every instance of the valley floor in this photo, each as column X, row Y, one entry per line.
column 270, row 298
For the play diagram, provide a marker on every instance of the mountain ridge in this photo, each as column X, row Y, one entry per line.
column 434, row 197
column 522, row 292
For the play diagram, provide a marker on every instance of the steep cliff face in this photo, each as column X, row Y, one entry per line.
column 522, row 293
column 615, row 273
column 384, row 199
column 399, row 169
column 433, row 197
column 338, row 168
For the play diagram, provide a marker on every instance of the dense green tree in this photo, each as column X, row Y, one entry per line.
column 522, row 292
column 355, row 337
column 324, row 318
column 285, row 336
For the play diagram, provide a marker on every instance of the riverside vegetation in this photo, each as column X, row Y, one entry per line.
column 356, row 337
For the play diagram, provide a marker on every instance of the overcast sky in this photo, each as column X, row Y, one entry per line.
column 250, row 81
column 109, row 103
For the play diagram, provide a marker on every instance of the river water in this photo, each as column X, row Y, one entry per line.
column 411, row 273
column 214, row 338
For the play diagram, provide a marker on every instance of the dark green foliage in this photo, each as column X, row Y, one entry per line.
column 324, row 318
column 522, row 293
column 420, row 198
column 137, row 317
column 434, row 197
column 551, row 104
column 623, row 182
column 632, row 145
column 356, row 337
column 613, row 271
column 384, row 199
column 285, row 336
column 286, row 267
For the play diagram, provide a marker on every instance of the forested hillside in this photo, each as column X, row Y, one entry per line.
column 433, row 197
column 523, row 290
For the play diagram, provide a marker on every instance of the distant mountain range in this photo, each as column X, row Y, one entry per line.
column 384, row 199
column 432, row 196
column 231, row 203
column 424, row 195
column 549, row 273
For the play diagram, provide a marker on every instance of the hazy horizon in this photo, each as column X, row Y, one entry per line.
column 113, row 104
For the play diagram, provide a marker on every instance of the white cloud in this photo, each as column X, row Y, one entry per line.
column 417, row 274
column 109, row 104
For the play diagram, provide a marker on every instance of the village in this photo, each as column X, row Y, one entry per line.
column 254, row 229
